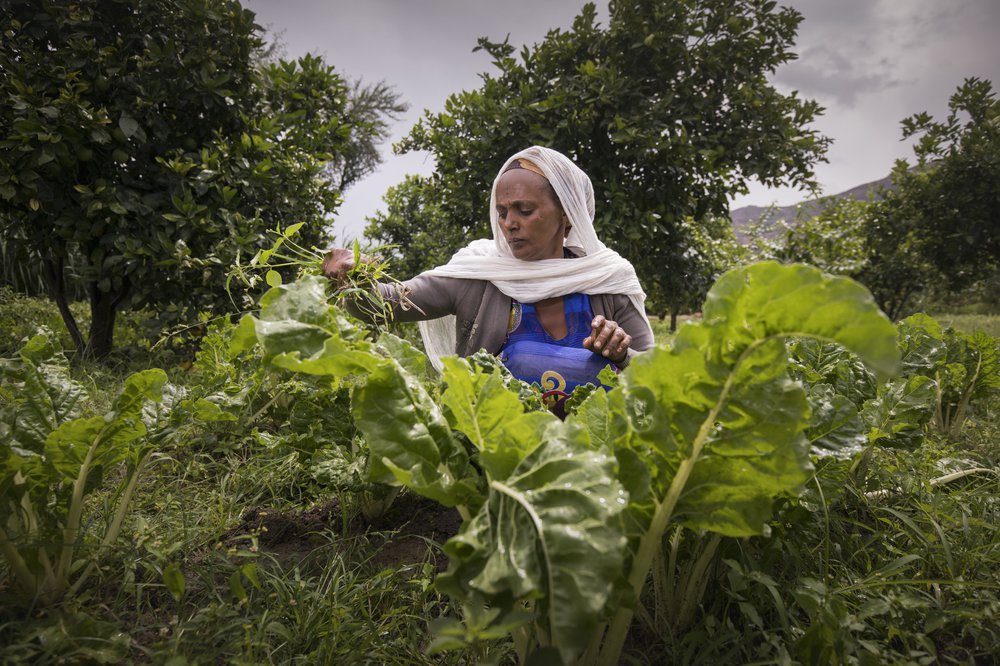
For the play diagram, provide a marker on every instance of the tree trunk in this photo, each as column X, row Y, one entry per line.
column 103, row 308
column 53, row 271
column 673, row 321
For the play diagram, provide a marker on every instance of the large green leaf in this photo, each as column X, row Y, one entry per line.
column 752, row 446
column 818, row 362
column 44, row 394
column 921, row 341
column 106, row 438
column 413, row 360
column 492, row 416
column 836, row 427
column 300, row 331
column 771, row 299
column 719, row 403
column 607, row 427
column 899, row 413
column 553, row 532
column 410, row 441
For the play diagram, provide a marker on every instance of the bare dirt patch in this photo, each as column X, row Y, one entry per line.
column 410, row 532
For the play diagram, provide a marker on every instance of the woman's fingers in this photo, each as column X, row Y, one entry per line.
column 608, row 339
column 337, row 263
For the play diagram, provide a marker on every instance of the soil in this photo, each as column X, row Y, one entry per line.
column 410, row 532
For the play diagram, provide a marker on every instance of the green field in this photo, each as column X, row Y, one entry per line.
column 259, row 532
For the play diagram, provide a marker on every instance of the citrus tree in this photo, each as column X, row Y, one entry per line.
column 145, row 145
column 667, row 108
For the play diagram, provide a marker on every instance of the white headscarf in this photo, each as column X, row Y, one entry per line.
column 600, row 271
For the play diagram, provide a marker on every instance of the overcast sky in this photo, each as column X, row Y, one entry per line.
column 869, row 62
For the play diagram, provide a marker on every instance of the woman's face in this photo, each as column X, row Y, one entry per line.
column 532, row 221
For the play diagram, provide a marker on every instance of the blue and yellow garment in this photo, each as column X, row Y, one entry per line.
column 557, row 366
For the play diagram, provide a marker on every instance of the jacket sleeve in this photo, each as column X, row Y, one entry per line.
column 417, row 299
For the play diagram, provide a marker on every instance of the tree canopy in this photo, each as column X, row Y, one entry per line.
column 936, row 226
column 668, row 109
column 949, row 200
column 143, row 145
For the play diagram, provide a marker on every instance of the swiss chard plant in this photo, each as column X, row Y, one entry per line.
column 297, row 331
column 565, row 520
column 53, row 457
column 965, row 367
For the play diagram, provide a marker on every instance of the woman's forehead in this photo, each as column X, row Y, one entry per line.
column 521, row 184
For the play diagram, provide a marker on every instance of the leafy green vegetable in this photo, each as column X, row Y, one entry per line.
column 410, row 441
column 52, row 458
column 551, row 533
column 717, row 416
column 965, row 367
column 563, row 520
column 898, row 414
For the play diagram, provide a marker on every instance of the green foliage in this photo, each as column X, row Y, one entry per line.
column 145, row 149
column 964, row 367
column 22, row 316
column 934, row 228
column 952, row 194
column 971, row 323
column 863, row 240
column 887, row 554
column 84, row 130
column 602, row 487
column 667, row 109
column 54, row 457
column 832, row 239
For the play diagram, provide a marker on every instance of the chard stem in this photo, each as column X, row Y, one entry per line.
column 115, row 528
column 27, row 580
column 73, row 520
column 653, row 537
column 697, row 581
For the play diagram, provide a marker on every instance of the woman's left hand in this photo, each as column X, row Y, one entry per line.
column 608, row 339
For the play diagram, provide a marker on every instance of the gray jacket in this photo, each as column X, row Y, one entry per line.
column 482, row 311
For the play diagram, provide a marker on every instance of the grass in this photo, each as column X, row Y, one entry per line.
column 847, row 576
column 971, row 323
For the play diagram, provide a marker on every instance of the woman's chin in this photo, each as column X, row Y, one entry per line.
column 520, row 251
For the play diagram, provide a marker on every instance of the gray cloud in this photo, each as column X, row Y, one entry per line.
column 869, row 62
column 834, row 78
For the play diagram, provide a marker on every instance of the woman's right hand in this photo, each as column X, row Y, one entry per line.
column 336, row 265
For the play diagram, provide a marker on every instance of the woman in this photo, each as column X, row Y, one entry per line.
column 545, row 295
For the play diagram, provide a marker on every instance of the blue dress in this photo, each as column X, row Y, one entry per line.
column 557, row 366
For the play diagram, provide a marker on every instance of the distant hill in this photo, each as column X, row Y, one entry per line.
column 743, row 216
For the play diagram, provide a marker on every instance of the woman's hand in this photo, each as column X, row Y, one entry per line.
column 337, row 264
column 608, row 339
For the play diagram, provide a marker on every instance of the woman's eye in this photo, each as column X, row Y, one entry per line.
column 527, row 212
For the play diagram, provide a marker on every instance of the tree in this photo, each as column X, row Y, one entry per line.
column 668, row 110
column 936, row 224
column 951, row 197
column 711, row 250
column 93, row 95
column 412, row 223
column 868, row 241
column 895, row 270
column 147, row 145
column 369, row 107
